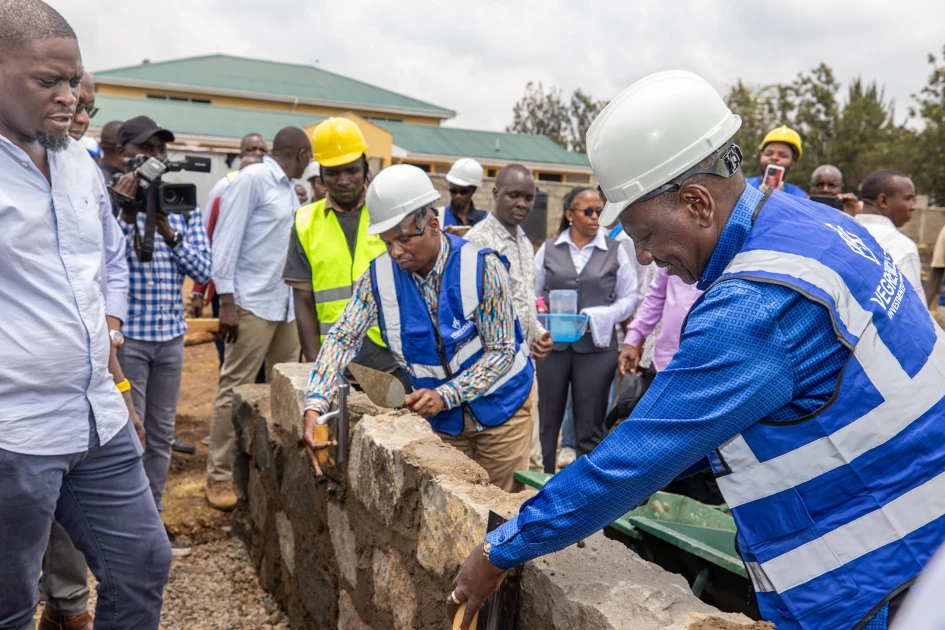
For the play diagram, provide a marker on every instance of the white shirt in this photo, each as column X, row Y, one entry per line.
column 603, row 318
column 250, row 242
column 53, row 336
column 902, row 248
column 217, row 191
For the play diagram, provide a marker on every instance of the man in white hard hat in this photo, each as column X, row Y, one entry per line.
column 313, row 175
column 809, row 376
column 462, row 350
column 464, row 177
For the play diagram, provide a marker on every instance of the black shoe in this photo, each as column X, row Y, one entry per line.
column 183, row 447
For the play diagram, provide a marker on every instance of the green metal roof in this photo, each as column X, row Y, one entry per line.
column 479, row 144
column 272, row 78
column 235, row 122
column 197, row 119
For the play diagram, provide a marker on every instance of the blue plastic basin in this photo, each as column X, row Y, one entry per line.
column 564, row 328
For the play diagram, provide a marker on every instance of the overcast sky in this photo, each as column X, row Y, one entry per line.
column 476, row 57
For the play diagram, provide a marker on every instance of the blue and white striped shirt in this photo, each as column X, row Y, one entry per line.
column 156, row 304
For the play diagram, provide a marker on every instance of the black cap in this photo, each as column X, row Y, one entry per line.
column 139, row 129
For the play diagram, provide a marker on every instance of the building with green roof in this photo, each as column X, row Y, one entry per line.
column 211, row 102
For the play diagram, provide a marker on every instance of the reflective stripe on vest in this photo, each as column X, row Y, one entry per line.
column 334, row 272
column 838, row 510
column 412, row 340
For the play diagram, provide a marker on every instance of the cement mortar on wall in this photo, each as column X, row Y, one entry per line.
column 378, row 546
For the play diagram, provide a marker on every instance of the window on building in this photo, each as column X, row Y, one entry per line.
column 178, row 99
column 575, row 178
column 491, row 172
column 550, row 177
column 423, row 167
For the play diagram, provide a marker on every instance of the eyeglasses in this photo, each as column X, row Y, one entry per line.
column 86, row 108
column 589, row 212
column 461, row 191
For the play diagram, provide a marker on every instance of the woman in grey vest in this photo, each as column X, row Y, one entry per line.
column 582, row 258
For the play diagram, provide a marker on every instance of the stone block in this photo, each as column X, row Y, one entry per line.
column 286, row 541
column 603, row 586
column 376, row 466
column 343, row 542
column 288, row 387
column 348, row 618
column 453, row 519
column 249, row 403
column 258, row 503
column 393, row 588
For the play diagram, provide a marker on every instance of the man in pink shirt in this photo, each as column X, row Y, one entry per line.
column 668, row 299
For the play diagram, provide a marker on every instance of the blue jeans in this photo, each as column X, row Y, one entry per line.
column 102, row 499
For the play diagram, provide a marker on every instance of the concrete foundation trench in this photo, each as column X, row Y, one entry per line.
column 378, row 547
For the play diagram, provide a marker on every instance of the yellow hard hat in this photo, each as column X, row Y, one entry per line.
column 337, row 141
column 786, row 135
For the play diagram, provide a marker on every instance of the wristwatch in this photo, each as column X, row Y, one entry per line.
column 178, row 239
column 116, row 337
column 486, row 548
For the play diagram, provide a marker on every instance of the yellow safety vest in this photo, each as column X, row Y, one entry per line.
column 232, row 175
column 334, row 272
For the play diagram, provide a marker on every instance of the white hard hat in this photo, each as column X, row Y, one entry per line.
column 465, row 172
column 396, row 192
column 654, row 131
column 312, row 170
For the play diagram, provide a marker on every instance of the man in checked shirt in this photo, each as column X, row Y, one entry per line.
column 152, row 355
column 445, row 311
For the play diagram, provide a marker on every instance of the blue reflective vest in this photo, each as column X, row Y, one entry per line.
column 432, row 354
column 840, row 510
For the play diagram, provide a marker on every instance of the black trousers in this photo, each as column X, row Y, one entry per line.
column 589, row 376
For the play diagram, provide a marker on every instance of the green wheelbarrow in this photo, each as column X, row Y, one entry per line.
column 687, row 537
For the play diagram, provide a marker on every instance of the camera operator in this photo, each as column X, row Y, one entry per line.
column 152, row 356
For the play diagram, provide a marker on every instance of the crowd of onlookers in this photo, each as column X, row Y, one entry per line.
column 278, row 251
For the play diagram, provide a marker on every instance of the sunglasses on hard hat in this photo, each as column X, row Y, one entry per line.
column 460, row 191
column 87, row 108
column 724, row 163
column 589, row 212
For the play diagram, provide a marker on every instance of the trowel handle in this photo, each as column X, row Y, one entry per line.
column 321, row 434
column 458, row 618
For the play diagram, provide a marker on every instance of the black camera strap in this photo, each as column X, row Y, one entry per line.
column 144, row 248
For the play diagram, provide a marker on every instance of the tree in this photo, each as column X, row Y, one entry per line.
column 758, row 110
column 816, row 117
column 584, row 109
column 867, row 137
column 929, row 149
column 542, row 112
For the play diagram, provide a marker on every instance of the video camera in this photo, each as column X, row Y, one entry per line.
column 169, row 197
column 156, row 196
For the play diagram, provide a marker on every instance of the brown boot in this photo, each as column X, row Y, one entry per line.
column 220, row 495
column 52, row 620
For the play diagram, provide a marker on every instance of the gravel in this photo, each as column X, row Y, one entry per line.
column 215, row 588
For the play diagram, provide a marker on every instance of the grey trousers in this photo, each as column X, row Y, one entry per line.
column 64, row 585
column 154, row 369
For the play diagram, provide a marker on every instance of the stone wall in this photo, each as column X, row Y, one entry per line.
column 927, row 221
column 379, row 545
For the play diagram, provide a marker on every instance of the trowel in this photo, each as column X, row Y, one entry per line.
column 384, row 390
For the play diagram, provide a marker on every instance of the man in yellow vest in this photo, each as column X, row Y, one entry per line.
column 330, row 249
